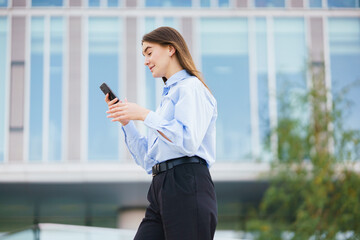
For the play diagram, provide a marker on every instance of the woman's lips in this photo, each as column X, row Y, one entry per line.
column 152, row 68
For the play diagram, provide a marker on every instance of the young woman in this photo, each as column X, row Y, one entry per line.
column 180, row 146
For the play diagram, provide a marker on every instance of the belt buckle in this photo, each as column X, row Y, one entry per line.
column 156, row 169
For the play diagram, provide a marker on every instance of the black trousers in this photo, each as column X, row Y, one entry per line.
column 182, row 205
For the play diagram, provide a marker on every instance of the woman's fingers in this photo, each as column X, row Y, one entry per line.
column 116, row 109
column 119, row 104
column 110, row 103
column 119, row 119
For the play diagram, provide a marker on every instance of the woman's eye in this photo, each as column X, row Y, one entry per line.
column 149, row 54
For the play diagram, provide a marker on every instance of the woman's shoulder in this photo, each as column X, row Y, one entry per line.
column 193, row 85
column 190, row 81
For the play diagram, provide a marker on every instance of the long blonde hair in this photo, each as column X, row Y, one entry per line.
column 169, row 36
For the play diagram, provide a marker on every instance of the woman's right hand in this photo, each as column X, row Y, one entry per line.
column 112, row 102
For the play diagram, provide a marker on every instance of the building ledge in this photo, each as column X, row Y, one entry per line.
column 123, row 172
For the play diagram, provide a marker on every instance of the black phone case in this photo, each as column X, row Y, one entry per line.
column 106, row 90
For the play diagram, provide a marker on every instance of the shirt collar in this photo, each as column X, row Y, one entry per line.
column 177, row 77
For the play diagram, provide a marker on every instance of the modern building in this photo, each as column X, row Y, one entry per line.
column 63, row 161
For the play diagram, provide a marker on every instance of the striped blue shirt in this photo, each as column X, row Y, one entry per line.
column 186, row 115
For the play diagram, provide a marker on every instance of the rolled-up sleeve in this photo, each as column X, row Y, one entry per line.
column 136, row 143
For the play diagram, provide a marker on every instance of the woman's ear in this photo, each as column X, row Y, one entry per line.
column 172, row 50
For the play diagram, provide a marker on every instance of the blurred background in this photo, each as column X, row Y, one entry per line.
column 62, row 161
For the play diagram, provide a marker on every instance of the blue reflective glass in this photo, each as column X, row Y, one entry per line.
column 168, row 3
column 315, row 3
column 56, row 76
column 3, row 3
column 94, row 3
column 3, row 84
column 205, row 3
column 113, row 3
column 344, row 44
column 343, row 3
column 225, row 65
column 170, row 22
column 150, row 82
column 269, row 3
column 104, row 66
column 36, row 89
column 223, row 3
column 47, row 3
column 262, row 79
column 290, row 63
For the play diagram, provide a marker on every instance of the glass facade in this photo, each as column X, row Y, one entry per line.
column 168, row 3
column 150, row 82
column 219, row 3
column 3, row 84
column 262, row 79
column 3, row 3
column 195, row 3
column 343, row 4
column 36, row 89
column 269, row 3
column 94, row 3
column 344, row 46
column 290, row 63
column 225, row 65
column 315, row 3
column 56, row 88
column 46, row 79
column 113, row 3
column 47, row 3
column 102, row 3
column 104, row 66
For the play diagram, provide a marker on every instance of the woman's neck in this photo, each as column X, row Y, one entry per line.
column 174, row 67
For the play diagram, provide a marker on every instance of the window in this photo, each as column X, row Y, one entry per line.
column 103, row 3
column 168, row 3
column 3, row 3
column 262, row 80
column 104, row 66
column 290, row 62
column 46, row 3
column 152, row 91
column 36, row 89
column 55, row 88
column 46, row 74
column 343, row 3
column 94, row 3
column 269, row 3
column 315, row 3
column 219, row 3
column 225, row 65
column 113, row 3
column 3, row 84
column 344, row 46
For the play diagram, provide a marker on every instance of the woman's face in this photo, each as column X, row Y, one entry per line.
column 157, row 58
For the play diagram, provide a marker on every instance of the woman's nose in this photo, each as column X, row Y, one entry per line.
column 146, row 62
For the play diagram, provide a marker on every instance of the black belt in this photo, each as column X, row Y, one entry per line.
column 169, row 164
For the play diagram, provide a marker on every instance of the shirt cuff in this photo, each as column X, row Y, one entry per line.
column 153, row 120
column 130, row 131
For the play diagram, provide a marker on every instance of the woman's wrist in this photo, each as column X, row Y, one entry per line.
column 144, row 115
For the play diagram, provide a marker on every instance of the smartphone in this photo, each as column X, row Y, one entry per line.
column 106, row 90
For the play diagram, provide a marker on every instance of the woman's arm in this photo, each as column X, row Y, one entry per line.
column 136, row 143
column 124, row 112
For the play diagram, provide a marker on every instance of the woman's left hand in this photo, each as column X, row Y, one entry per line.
column 127, row 111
